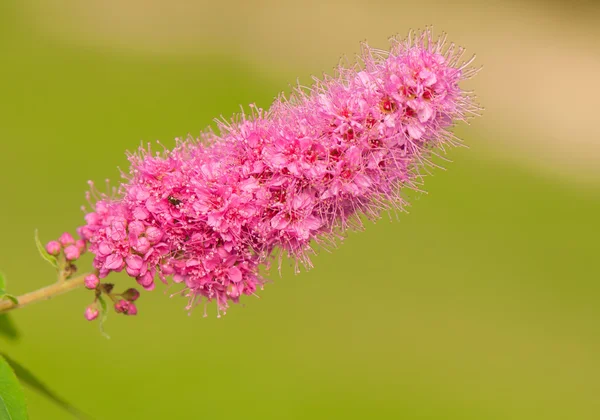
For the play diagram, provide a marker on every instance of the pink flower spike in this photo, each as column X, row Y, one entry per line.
column 53, row 248
column 211, row 213
column 72, row 253
column 66, row 239
column 91, row 281
column 91, row 312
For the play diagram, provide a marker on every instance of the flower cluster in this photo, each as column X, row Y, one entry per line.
column 211, row 211
column 123, row 302
column 67, row 245
column 64, row 253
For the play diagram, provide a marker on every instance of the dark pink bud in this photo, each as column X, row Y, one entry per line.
column 91, row 281
column 125, row 307
column 66, row 239
column 132, row 310
column 53, row 248
column 131, row 294
column 91, row 312
column 121, row 306
column 72, row 253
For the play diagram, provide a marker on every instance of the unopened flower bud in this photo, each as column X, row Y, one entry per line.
column 81, row 245
column 91, row 312
column 131, row 294
column 121, row 306
column 53, row 248
column 91, row 281
column 132, row 310
column 66, row 239
column 72, row 253
column 125, row 307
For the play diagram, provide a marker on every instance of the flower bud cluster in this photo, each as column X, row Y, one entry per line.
column 123, row 302
column 67, row 245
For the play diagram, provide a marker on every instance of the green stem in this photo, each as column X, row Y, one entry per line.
column 44, row 293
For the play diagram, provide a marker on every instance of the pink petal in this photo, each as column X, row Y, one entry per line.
column 114, row 262
column 280, row 221
column 134, row 261
column 235, row 274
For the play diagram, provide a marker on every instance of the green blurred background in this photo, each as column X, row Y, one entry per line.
column 482, row 303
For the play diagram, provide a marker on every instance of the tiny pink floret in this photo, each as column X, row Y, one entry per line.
column 125, row 307
column 66, row 239
column 72, row 252
column 81, row 245
column 91, row 281
column 91, row 313
column 131, row 295
column 53, row 248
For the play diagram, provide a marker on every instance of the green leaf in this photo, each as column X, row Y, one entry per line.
column 103, row 316
column 44, row 253
column 12, row 400
column 33, row 382
column 8, row 328
column 3, row 294
column 12, row 298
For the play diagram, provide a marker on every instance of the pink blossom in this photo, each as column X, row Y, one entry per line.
column 91, row 281
column 210, row 212
column 132, row 309
column 53, row 248
column 125, row 307
column 72, row 253
column 131, row 295
column 66, row 239
column 91, row 312
column 81, row 245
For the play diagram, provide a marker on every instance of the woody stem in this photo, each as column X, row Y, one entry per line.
column 45, row 293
